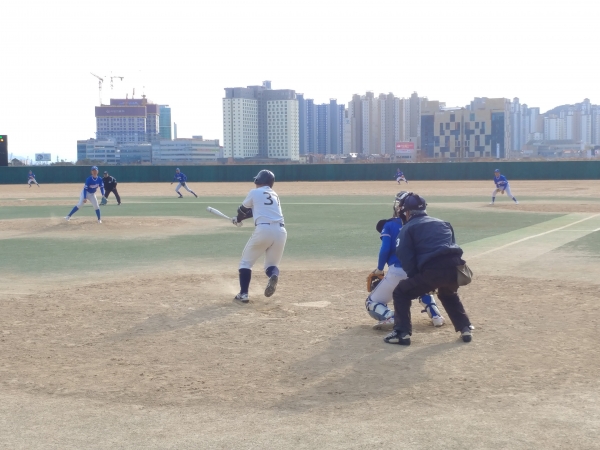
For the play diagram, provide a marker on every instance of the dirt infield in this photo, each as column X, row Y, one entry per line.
column 164, row 358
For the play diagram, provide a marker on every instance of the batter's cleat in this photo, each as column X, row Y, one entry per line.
column 437, row 321
column 271, row 285
column 241, row 298
column 384, row 323
column 465, row 334
column 396, row 337
column 68, row 218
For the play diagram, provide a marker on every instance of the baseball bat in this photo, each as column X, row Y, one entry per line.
column 216, row 212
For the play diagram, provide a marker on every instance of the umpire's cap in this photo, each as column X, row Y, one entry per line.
column 413, row 202
column 265, row 177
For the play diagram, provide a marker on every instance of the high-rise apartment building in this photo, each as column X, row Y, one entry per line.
column 259, row 121
column 480, row 130
column 127, row 121
column 164, row 122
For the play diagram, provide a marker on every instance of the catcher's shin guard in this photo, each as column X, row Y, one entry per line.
column 428, row 302
column 378, row 311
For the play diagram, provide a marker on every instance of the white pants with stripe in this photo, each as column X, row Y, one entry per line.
column 91, row 197
column 268, row 238
column 185, row 187
column 383, row 292
column 507, row 190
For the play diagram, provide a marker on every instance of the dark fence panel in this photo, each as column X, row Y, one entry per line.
column 539, row 170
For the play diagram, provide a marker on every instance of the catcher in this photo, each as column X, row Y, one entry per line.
column 381, row 287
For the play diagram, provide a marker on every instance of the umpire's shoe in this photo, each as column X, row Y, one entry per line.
column 241, row 298
column 396, row 337
column 465, row 334
column 271, row 285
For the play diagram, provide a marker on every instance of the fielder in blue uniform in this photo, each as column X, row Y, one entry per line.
column 376, row 303
column 502, row 186
column 182, row 180
column 400, row 176
column 93, row 183
column 31, row 179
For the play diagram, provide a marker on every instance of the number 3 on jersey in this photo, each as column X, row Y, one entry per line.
column 270, row 198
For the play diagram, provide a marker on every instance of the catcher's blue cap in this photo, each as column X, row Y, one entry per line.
column 497, row 170
column 94, row 168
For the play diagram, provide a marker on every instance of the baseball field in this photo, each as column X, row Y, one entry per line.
column 125, row 334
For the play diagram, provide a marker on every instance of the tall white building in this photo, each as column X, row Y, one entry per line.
column 260, row 121
column 554, row 128
column 283, row 129
column 240, row 127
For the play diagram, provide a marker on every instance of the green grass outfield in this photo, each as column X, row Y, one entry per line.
column 330, row 227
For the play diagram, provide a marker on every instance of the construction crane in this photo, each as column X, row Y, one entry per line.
column 111, row 80
column 100, row 81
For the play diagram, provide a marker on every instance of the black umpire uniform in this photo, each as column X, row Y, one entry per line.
column 110, row 185
column 429, row 256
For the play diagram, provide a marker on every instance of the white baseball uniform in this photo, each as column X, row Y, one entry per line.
column 269, row 236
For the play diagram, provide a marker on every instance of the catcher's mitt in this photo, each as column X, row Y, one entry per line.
column 381, row 224
column 373, row 280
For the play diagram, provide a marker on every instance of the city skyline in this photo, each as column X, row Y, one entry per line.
column 50, row 54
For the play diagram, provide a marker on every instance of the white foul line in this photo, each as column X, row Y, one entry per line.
column 534, row 236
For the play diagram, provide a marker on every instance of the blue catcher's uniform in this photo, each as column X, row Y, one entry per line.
column 376, row 303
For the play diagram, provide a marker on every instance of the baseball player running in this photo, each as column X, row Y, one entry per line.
column 262, row 203
column 502, row 186
column 182, row 179
column 92, row 183
column 400, row 176
column 376, row 303
column 31, row 179
column 110, row 185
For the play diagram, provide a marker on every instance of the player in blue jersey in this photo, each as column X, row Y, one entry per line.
column 400, row 176
column 502, row 186
column 31, row 179
column 381, row 295
column 181, row 178
column 92, row 183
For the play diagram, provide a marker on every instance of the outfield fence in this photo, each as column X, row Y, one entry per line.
column 538, row 170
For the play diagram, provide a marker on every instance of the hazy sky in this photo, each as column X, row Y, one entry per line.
column 183, row 53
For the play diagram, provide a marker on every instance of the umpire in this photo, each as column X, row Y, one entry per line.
column 429, row 255
column 110, row 185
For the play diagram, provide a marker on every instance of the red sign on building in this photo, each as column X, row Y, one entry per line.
column 405, row 147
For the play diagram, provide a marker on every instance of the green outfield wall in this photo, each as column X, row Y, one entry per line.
column 544, row 170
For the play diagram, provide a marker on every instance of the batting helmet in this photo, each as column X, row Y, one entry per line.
column 265, row 177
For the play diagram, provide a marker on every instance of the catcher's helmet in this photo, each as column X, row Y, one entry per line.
column 410, row 202
column 265, row 177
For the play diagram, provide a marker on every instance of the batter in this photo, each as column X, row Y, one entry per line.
column 269, row 237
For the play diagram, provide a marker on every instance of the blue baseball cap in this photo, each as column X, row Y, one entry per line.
column 176, row 169
column 497, row 170
column 94, row 168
